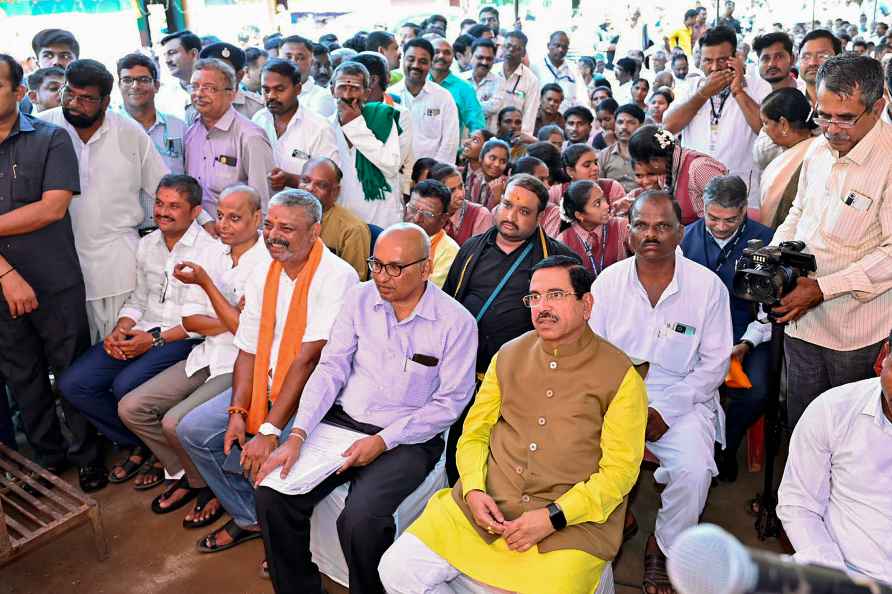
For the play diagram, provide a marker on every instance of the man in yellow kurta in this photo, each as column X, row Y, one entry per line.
column 550, row 450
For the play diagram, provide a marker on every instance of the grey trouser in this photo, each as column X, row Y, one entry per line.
column 812, row 370
column 154, row 409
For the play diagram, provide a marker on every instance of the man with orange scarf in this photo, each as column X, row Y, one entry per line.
column 289, row 310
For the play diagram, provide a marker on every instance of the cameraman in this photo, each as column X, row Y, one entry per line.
column 843, row 213
column 716, row 241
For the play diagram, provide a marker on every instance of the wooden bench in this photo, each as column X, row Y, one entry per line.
column 31, row 518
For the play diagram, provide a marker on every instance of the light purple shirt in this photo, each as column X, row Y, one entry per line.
column 235, row 150
column 367, row 366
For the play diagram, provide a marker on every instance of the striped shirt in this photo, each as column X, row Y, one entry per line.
column 843, row 213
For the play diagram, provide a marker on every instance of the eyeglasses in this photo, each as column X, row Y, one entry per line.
column 69, row 97
column 129, row 81
column 824, row 122
column 413, row 210
column 210, row 89
column 816, row 57
column 392, row 269
column 535, row 299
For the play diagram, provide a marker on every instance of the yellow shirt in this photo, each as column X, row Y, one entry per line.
column 682, row 38
column 443, row 253
column 445, row 529
column 348, row 237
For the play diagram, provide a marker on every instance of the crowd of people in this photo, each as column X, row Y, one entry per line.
column 452, row 250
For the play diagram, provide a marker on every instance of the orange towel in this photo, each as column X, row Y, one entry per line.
column 736, row 377
column 289, row 346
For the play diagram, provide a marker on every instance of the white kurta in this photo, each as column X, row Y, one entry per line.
column 687, row 339
column 385, row 156
column 117, row 163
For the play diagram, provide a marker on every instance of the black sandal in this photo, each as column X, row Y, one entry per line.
column 205, row 496
column 183, row 483
column 129, row 467
column 152, row 469
column 208, row 544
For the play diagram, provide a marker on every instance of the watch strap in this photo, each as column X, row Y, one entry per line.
column 556, row 515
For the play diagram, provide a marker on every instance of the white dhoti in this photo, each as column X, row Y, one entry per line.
column 410, row 567
column 687, row 465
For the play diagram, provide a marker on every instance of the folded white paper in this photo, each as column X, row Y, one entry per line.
column 320, row 456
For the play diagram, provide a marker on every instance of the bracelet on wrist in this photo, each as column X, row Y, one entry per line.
column 300, row 436
column 7, row 272
column 237, row 410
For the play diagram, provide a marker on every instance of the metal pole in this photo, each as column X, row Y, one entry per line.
column 718, row 4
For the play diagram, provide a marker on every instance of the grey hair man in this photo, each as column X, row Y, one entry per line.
column 222, row 146
column 842, row 312
column 298, row 295
column 717, row 241
column 377, row 196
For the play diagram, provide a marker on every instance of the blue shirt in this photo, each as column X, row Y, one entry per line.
column 412, row 377
column 701, row 247
column 38, row 157
column 470, row 114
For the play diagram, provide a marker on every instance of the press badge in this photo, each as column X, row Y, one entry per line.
column 857, row 201
column 227, row 160
column 299, row 154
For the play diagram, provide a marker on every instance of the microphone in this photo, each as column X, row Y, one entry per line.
column 707, row 560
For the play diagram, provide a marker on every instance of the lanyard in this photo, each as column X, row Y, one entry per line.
column 556, row 73
column 504, row 281
column 588, row 249
column 725, row 252
column 716, row 116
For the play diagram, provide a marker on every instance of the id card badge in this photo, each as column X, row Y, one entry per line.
column 679, row 328
column 713, row 136
column 858, row 201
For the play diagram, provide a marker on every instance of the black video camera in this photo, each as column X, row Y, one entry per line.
column 766, row 273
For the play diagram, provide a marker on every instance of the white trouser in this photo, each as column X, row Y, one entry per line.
column 102, row 315
column 410, row 567
column 687, row 464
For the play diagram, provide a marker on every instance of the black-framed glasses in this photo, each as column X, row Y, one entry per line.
column 129, row 81
column 69, row 97
column 392, row 269
column 536, row 299
column 825, row 122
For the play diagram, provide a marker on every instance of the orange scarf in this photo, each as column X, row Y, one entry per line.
column 435, row 241
column 292, row 334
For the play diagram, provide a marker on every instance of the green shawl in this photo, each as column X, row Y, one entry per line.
column 380, row 119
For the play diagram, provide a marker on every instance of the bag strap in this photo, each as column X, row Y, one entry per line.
column 503, row 282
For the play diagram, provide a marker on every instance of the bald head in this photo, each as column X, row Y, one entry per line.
column 401, row 265
column 240, row 193
column 410, row 239
column 657, row 198
column 322, row 178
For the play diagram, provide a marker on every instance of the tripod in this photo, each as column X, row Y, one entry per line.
column 767, row 523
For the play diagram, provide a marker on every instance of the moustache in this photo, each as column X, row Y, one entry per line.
column 164, row 219
column 546, row 316
column 837, row 137
column 279, row 242
column 270, row 104
column 650, row 242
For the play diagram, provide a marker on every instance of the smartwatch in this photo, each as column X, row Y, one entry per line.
column 556, row 515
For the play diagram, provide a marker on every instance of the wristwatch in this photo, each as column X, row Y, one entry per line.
column 157, row 339
column 556, row 515
column 748, row 343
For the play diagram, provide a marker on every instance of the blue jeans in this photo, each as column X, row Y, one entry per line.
column 745, row 406
column 95, row 383
column 201, row 434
